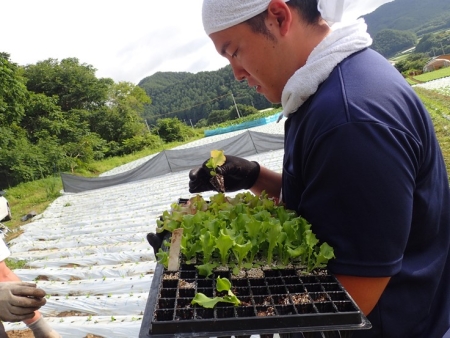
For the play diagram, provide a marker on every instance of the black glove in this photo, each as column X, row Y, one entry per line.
column 237, row 173
column 156, row 239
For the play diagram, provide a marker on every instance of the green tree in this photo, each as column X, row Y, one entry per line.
column 434, row 44
column 121, row 119
column 73, row 83
column 388, row 42
column 244, row 110
column 413, row 63
column 13, row 92
column 172, row 129
column 218, row 116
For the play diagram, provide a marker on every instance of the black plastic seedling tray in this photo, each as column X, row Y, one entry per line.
column 282, row 301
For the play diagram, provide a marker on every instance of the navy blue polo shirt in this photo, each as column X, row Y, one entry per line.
column 362, row 164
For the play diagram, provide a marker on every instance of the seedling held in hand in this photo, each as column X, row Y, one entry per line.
column 216, row 160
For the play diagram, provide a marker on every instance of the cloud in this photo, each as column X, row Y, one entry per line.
column 125, row 41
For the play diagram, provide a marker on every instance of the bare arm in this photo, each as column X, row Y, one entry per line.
column 365, row 291
column 269, row 181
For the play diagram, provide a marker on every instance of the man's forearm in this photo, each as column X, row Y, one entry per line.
column 268, row 181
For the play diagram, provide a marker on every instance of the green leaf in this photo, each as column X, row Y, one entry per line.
column 205, row 301
column 217, row 159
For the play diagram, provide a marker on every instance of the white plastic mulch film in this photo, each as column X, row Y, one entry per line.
column 89, row 251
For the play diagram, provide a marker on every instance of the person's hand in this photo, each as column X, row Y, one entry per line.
column 41, row 329
column 237, row 173
column 156, row 239
column 19, row 300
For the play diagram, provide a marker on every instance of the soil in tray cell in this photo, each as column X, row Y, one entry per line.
column 265, row 311
column 281, row 299
column 300, row 298
column 187, row 283
column 245, row 302
column 183, row 303
column 262, row 300
column 319, row 297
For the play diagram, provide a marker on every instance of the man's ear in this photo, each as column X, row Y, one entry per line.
column 280, row 13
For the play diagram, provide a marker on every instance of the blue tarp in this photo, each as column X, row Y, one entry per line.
column 245, row 125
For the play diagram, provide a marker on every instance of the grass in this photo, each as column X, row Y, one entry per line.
column 438, row 105
column 38, row 195
column 434, row 75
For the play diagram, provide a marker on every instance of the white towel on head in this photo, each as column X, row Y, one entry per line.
column 218, row 15
column 344, row 40
column 347, row 10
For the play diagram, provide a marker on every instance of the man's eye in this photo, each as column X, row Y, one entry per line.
column 234, row 54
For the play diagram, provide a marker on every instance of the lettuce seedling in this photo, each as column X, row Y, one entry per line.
column 222, row 284
column 217, row 159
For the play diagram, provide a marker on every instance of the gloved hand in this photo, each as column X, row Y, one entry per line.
column 237, row 172
column 19, row 300
column 156, row 239
column 41, row 329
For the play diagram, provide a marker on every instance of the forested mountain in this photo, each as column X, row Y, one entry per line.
column 192, row 97
column 418, row 16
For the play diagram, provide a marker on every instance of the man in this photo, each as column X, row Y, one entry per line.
column 361, row 164
column 19, row 301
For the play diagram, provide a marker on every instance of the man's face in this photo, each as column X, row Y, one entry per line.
column 256, row 58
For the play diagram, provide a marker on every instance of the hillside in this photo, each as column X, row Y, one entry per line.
column 193, row 96
column 418, row 16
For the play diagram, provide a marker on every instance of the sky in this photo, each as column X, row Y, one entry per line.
column 125, row 40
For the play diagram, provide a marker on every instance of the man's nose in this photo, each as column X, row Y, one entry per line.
column 239, row 72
